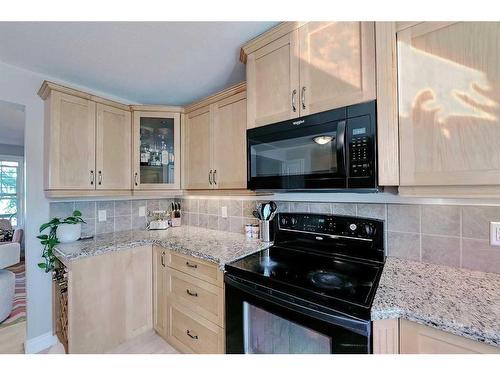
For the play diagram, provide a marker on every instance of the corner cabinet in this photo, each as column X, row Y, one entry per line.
column 156, row 148
column 87, row 144
column 449, row 118
column 215, row 142
column 297, row 69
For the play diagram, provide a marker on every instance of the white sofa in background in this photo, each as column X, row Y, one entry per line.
column 9, row 255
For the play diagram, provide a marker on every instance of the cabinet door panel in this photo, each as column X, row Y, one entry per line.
column 449, row 100
column 114, row 148
column 229, row 143
column 198, row 149
column 272, row 77
column 157, row 142
column 70, row 142
column 159, row 291
column 337, row 65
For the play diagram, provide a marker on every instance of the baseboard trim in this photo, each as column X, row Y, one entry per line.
column 39, row 343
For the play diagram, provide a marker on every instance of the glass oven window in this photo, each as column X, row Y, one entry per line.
column 267, row 333
column 303, row 155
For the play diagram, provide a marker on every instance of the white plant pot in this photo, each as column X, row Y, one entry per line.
column 69, row 232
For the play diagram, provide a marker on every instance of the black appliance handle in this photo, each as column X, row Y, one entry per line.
column 341, row 149
column 299, row 305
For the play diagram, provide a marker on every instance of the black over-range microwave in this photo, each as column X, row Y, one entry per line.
column 334, row 149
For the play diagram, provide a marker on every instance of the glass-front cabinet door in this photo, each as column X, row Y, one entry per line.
column 156, row 150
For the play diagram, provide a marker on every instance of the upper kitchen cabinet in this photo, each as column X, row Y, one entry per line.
column 69, row 142
column 87, row 143
column 113, row 148
column 273, row 81
column 449, row 117
column 298, row 69
column 198, row 174
column 156, row 148
column 214, row 140
column 337, row 65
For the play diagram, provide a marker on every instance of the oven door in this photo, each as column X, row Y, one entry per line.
column 310, row 155
column 260, row 321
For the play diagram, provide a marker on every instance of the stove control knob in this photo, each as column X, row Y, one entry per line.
column 353, row 227
column 294, row 220
column 368, row 230
column 284, row 221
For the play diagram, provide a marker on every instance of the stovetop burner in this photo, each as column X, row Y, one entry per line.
column 329, row 280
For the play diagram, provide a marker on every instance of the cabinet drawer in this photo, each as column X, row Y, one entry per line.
column 193, row 334
column 205, row 299
column 195, row 267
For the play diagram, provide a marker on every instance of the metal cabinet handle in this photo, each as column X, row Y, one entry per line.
column 91, row 177
column 194, row 337
column 135, row 179
column 294, row 93
column 191, row 265
column 163, row 258
column 210, row 177
column 215, row 172
column 303, row 97
column 193, row 294
column 100, row 178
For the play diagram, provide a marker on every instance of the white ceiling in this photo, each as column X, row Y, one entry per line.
column 11, row 123
column 145, row 62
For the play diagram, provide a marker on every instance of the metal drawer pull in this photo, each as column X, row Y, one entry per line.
column 163, row 259
column 191, row 265
column 193, row 294
column 215, row 172
column 91, row 177
column 194, row 337
column 135, row 179
column 210, row 177
column 294, row 92
column 100, row 178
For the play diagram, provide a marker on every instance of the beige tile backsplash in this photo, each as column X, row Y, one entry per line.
column 452, row 235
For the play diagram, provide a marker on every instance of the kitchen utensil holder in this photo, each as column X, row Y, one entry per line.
column 265, row 233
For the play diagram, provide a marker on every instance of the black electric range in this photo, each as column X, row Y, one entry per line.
column 316, row 283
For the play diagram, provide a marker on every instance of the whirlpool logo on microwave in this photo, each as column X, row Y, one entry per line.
column 298, row 122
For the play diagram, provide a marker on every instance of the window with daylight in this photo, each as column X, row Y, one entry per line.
column 10, row 190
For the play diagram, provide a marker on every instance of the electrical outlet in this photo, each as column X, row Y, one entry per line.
column 223, row 212
column 495, row 233
column 101, row 215
column 142, row 211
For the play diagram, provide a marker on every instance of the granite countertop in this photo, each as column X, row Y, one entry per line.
column 459, row 301
column 211, row 245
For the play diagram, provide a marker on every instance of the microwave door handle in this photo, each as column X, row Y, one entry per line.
column 341, row 149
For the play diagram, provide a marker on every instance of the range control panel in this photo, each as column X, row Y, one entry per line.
column 345, row 226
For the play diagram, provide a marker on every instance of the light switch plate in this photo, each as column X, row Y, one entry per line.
column 495, row 233
column 142, row 211
column 101, row 215
column 223, row 211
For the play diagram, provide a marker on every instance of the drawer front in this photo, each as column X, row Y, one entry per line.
column 190, row 333
column 203, row 298
column 195, row 267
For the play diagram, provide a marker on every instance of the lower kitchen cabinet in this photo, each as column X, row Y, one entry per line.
column 105, row 301
column 188, row 302
column 401, row 336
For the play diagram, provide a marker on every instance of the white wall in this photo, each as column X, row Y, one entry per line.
column 12, row 150
column 21, row 86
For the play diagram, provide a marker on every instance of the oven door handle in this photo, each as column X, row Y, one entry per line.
column 341, row 148
column 273, row 296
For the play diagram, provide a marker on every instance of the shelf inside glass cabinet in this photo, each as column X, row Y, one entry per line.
column 157, row 161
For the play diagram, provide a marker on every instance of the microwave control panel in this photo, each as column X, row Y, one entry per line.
column 360, row 149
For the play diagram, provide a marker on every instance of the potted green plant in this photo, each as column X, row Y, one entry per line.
column 50, row 240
